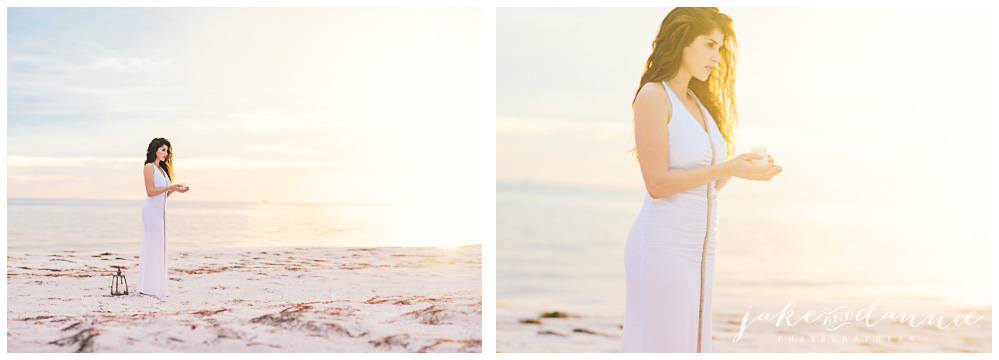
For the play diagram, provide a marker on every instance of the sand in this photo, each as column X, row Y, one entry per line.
column 553, row 330
column 251, row 300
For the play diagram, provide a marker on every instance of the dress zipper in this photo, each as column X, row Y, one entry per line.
column 707, row 232
column 164, row 221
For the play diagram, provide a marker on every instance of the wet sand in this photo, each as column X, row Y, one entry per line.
column 564, row 331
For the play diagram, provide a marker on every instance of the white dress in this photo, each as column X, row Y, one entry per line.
column 152, row 258
column 670, row 253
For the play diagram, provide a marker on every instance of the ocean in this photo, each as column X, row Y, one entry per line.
column 56, row 225
column 562, row 248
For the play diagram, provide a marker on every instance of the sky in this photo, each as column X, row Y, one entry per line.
column 347, row 106
column 875, row 114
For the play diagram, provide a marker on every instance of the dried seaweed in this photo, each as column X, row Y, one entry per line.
column 85, row 338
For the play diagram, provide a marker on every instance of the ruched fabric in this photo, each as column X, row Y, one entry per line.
column 670, row 252
column 152, row 257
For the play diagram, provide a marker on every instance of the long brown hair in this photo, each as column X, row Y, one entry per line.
column 678, row 30
column 151, row 155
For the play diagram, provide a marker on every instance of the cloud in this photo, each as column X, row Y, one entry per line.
column 232, row 162
column 280, row 150
column 269, row 120
column 18, row 161
column 212, row 162
column 269, row 105
column 319, row 117
column 130, row 63
column 538, row 127
column 40, row 178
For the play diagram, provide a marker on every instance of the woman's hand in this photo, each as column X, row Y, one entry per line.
column 741, row 167
column 177, row 187
column 186, row 188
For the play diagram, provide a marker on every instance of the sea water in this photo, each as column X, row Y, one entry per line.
column 56, row 225
column 562, row 248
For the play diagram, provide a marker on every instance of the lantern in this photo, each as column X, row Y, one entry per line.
column 118, row 284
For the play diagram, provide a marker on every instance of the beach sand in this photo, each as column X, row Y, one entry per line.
column 251, row 300
column 560, row 331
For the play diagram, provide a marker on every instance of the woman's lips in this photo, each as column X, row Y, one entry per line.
column 709, row 68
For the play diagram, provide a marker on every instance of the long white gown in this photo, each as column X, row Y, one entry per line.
column 670, row 253
column 152, row 257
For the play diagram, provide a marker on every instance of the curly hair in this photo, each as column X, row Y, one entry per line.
column 151, row 155
column 678, row 30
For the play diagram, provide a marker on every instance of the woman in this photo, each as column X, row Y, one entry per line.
column 684, row 115
column 158, row 174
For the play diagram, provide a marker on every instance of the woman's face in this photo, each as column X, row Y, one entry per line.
column 703, row 54
column 162, row 153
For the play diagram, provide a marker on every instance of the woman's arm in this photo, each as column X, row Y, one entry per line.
column 652, row 114
column 147, row 174
column 721, row 183
column 773, row 169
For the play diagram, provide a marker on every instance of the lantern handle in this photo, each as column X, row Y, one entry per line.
column 123, row 279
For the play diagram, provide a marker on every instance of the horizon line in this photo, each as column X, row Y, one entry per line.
column 563, row 184
column 229, row 202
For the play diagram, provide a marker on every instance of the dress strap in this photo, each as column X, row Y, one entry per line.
column 669, row 90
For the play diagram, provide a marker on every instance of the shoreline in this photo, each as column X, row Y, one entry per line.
column 288, row 299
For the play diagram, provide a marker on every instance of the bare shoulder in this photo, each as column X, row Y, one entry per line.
column 148, row 167
column 652, row 99
column 652, row 88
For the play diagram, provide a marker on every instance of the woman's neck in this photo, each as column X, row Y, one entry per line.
column 680, row 84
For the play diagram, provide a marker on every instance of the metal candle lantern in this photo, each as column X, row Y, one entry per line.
column 119, row 286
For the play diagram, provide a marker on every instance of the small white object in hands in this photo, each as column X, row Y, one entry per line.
column 762, row 151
